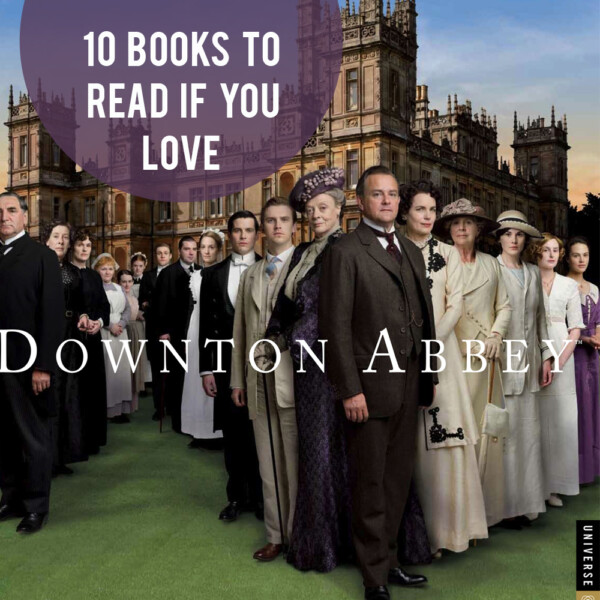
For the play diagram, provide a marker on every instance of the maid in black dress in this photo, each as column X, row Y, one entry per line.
column 68, row 425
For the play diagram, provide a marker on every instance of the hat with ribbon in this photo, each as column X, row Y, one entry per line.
column 514, row 219
column 463, row 208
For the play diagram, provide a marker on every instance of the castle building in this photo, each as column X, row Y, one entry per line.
column 378, row 114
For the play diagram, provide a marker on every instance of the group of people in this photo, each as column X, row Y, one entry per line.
column 344, row 425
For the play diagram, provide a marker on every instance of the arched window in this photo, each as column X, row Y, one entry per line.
column 286, row 183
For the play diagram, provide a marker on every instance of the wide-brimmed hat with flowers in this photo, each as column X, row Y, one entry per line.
column 315, row 183
column 514, row 219
column 463, row 208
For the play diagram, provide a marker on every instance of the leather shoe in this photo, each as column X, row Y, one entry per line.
column 8, row 512
column 32, row 522
column 400, row 577
column 268, row 552
column 231, row 512
column 379, row 592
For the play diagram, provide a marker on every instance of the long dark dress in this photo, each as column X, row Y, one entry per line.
column 96, row 306
column 321, row 535
column 68, row 425
column 587, row 374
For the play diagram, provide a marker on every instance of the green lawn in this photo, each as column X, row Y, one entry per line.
column 139, row 521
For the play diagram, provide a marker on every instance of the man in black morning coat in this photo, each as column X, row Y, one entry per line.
column 218, row 295
column 174, row 306
column 31, row 300
column 146, row 299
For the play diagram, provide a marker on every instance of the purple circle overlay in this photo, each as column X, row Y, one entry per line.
column 158, row 157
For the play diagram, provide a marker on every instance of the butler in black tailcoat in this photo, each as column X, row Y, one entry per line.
column 174, row 305
column 217, row 300
column 32, row 301
column 146, row 300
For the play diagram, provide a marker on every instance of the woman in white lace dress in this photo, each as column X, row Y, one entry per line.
column 558, row 401
column 197, row 409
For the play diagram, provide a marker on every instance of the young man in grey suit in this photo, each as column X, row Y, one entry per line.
column 374, row 311
column 275, row 431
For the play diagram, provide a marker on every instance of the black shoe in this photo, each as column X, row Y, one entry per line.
column 379, row 592
column 9, row 512
column 231, row 512
column 194, row 444
column 400, row 577
column 32, row 522
column 510, row 524
column 62, row 470
column 120, row 419
column 523, row 521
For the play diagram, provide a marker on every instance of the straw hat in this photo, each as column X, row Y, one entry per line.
column 463, row 208
column 514, row 219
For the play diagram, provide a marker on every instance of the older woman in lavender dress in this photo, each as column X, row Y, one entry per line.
column 321, row 535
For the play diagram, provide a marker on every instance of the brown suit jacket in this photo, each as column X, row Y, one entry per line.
column 360, row 295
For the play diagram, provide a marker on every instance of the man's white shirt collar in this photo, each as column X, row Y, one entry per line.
column 13, row 238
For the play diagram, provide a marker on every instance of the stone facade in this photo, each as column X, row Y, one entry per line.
column 378, row 115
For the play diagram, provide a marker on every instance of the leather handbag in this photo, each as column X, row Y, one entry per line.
column 494, row 419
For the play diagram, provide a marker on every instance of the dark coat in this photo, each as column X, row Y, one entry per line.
column 147, row 289
column 173, row 303
column 32, row 300
column 95, row 301
column 216, row 323
column 361, row 294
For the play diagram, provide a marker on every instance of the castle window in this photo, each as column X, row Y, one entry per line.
column 426, row 175
column 351, row 168
column 561, row 171
column 23, row 151
column 394, row 90
column 55, row 155
column 165, row 208
column 352, row 89
column 216, row 200
column 197, row 203
column 505, row 204
column 89, row 210
column 351, row 225
column 56, row 208
column 120, row 209
column 234, row 199
column 267, row 187
column 462, row 190
column 534, row 168
column 394, row 163
column 445, row 191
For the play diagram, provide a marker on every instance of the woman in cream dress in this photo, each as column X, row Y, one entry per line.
column 485, row 317
column 446, row 471
column 558, row 402
column 524, row 489
column 119, row 398
column 197, row 408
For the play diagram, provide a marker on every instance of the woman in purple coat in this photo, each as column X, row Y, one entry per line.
column 321, row 536
column 587, row 365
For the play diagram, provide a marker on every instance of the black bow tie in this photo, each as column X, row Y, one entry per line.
column 137, row 280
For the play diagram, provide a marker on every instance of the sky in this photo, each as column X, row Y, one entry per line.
column 523, row 55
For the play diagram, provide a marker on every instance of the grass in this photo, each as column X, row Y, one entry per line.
column 139, row 521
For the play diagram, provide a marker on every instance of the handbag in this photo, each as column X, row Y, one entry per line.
column 494, row 419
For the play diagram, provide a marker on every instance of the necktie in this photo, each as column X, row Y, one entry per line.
column 391, row 248
column 271, row 269
column 191, row 269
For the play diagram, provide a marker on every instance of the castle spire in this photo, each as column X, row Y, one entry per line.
column 495, row 124
column 565, row 122
column 455, row 103
column 388, row 10
column 449, row 107
column 347, row 7
column 11, row 99
column 514, row 122
column 552, row 119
